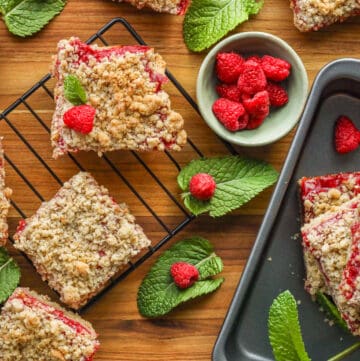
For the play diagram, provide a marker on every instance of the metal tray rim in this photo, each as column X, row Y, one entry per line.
column 341, row 68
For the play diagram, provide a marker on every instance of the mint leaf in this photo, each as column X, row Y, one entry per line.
column 238, row 180
column 284, row 330
column 331, row 310
column 73, row 90
column 207, row 21
column 158, row 294
column 26, row 17
column 9, row 275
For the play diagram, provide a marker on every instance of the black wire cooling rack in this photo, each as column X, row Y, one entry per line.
column 23, row 105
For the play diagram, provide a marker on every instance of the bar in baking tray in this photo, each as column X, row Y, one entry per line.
column 79, row 239
column 34, row 329
column 318, row 195
column 329, row 238
column 312, row 15
column 124, row 85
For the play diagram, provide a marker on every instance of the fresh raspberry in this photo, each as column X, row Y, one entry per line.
column 258, row 105
column 228, row 67
column 202, row 186
column 184, row 274
column 255, row 121
column 229, row 91
column 252, row 78
column 347, row 136
column 231, row 114
column 277, row 95
column 80, row 118
column 255, row 58
column 275, row 69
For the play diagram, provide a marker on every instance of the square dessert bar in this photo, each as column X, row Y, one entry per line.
column 79, row 239
column 312, row 15
column 34, row 329
column 319, row 195
column 5, row 194
column 329, row 239
column 124, row 86
column 175, row 7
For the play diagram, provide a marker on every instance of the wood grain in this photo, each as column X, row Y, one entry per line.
column 190, row 331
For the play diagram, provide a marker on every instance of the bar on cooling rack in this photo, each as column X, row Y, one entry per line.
column 33, row 328
column 123, row 85
column 79, row 239
column 175, row 7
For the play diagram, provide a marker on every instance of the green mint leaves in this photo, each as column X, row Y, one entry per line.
column 207, row 21
column 284, row 330
column 331, row 310
column 26, row 17
column 9, row 275
column 73, row 90
column 238, row 180
column 158, row 293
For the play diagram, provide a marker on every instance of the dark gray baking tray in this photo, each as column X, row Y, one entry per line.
column 275, row 263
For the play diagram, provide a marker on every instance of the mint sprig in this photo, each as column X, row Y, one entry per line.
column 207, row 21
column 331, row 310
column 74, row 91
column 284, row 330
column 158, row 293
column 285, row 333
column 9, row 275
column 238, row 180
column 26, row 17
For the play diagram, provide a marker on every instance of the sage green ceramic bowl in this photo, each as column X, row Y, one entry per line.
column 280, row 120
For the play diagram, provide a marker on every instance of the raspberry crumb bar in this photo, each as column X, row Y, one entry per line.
column 79, row 239
column 329, row 238
column 5, row 194
column 124, row 86
column 175, row 7
column 312, row 15
column 319, row 195
column 34, row 329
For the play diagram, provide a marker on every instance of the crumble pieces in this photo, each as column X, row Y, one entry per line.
column 312, row 15
column 175, row 7
column 79, row 239
column 5, row 194
column 124, row 85
column 319, row 195
column 34, row 329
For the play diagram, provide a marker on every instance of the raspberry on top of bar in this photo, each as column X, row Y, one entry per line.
column 34, row 329
column 5, row 194
column 79, row 239
column 124, row 86
column 312, row 15
column 175, row 7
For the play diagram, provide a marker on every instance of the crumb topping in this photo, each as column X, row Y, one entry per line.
column 34, row 329
column 328, row 237
column 123, row 84
column 176, row 7
column 311, row 15
column 5, row 194
column 80, row 239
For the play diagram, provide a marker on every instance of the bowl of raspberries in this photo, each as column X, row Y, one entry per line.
column 252, row 88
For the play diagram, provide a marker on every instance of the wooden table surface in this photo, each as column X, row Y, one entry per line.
column 189, row 332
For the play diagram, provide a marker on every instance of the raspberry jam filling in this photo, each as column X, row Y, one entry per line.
column 21, row 226
column 352, row 270
column 183, row 7
column 312, row 186
column 59, row 315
